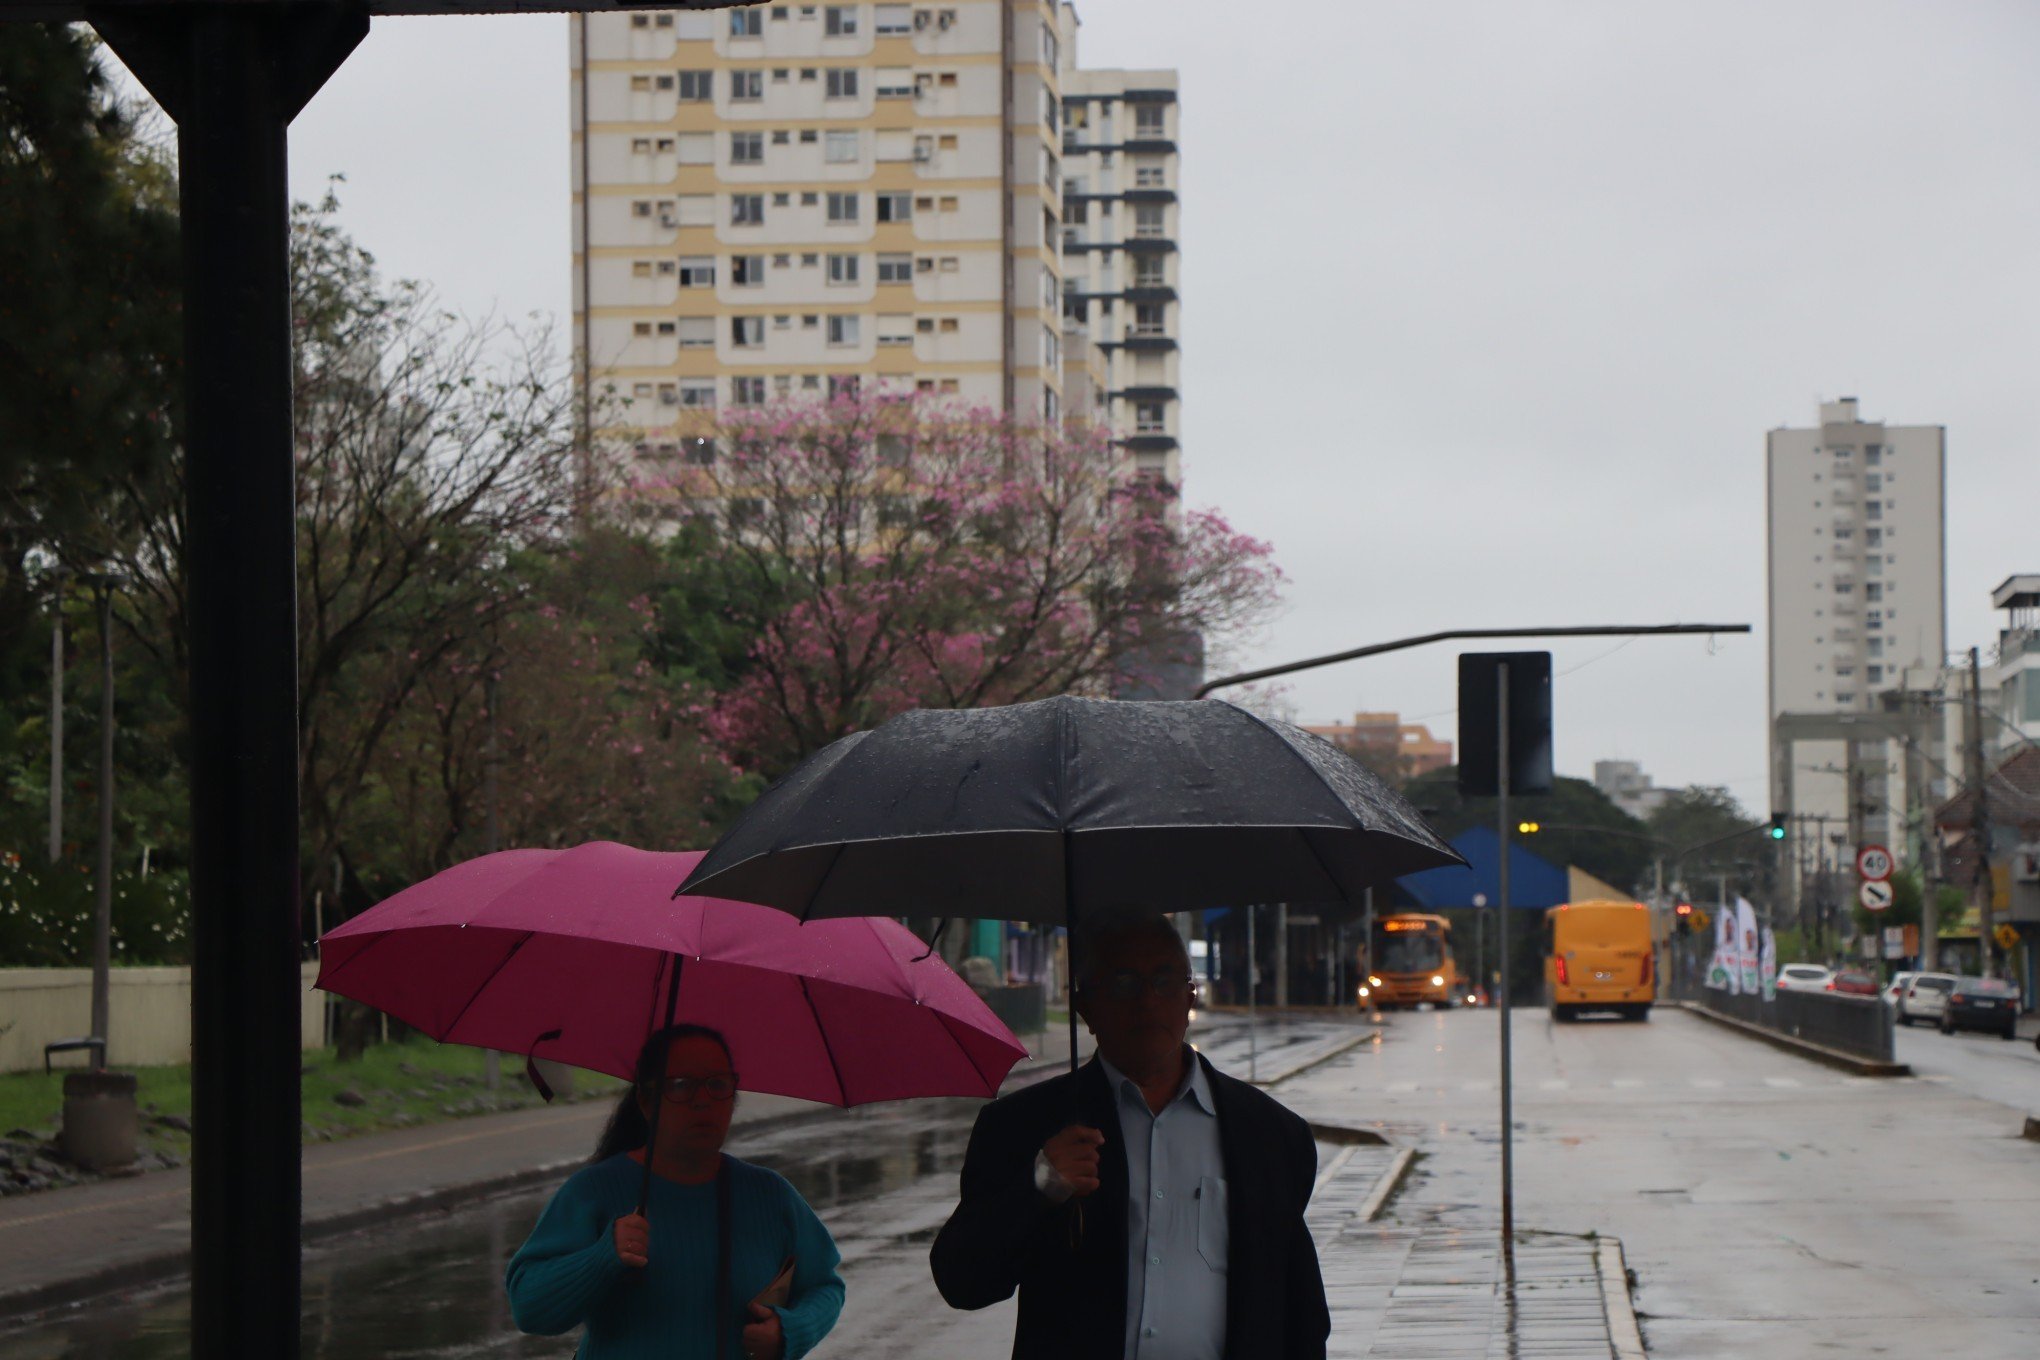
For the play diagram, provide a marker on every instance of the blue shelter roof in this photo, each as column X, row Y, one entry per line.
column 1534, row 882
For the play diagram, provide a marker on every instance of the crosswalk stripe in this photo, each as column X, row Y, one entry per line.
column 1703, row 1083
column 1782, row 1083
column 1555, row 1085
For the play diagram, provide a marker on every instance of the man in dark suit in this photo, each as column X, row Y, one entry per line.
column 1148, row 1208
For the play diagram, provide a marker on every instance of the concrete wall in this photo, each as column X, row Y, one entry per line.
column 150, row 1015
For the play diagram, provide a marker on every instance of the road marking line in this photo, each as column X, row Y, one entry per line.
column 1401, row 1088
column 1476, row 1086
column 1703, row 1083
column 93, row 1208
column 1555, row 1084
column 1626, row 1083
column 1782, row 1083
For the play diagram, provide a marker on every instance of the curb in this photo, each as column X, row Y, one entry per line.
column 1340, row 1048
column 1626, row 1336
column 1805, row 1048
column 1387, row 1185
column 2032, row 1129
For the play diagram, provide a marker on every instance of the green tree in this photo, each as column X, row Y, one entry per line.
column 90, row 324
column 1581, row 825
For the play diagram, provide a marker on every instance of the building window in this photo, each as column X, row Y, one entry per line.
column 747, row 332
column 895, row 269
column 747, row 210
column 747, row 148
column 895, row 207
column 746, row 86
column 747, row 23
column 1150, row 318
column 699, row 392
column 1150, row 417
column 747, row 391
column 1874, row 674
column 843, row 385
column 697, row 271
column 1873, row 455
column 839, row 21
column 842, row 207
column 894, row 330
column 640, row 84
column 840, row 148
column 894, row 82
column 892, row 21
column 843, row 269
column 843, row 330
column 747, row 271
column 697, row 332
column 1150, row 120
column 842, row 82
column 1149, row 221
column 696, row 86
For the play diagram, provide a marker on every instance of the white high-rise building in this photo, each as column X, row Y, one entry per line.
column 1121, row 273
column 1858, row 590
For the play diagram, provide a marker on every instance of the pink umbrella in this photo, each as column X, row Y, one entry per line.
column 570, row 954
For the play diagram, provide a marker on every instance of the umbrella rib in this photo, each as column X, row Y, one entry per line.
column 964, row 1049
column 501, row 964
column 827, row 1047
column 349, row 961
column 835, row 857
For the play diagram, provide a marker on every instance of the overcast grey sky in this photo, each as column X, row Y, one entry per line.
column 1487, row 307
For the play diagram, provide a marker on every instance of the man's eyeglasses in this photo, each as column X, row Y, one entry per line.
column 683, row 1089
column 1127, row 985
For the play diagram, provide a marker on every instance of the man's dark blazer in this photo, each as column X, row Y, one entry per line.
column 1005, row 1234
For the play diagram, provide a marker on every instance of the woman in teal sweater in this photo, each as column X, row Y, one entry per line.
column 647, row 1285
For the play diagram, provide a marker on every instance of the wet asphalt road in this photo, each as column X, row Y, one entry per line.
column 1769, row 1205
column 1980, row 1065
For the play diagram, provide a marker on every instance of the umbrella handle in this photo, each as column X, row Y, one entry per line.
column 1076, row 1097
column 934, row 940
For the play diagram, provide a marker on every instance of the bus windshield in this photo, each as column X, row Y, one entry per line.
column 1409, row 952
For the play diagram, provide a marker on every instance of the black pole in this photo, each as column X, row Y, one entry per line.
column 102, row 907
column 1403, row 644
column 644, row 1190
column 1502, row 954
column 233, row 76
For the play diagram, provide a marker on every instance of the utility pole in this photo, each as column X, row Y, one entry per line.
column 492, row 1065
column 57, row 723
column 102, row 914
column 1281, row 954
column 1979, row 827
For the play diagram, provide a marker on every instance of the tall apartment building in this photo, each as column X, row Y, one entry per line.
column 784, row 201
column 1858, row 590
column 1120, row 261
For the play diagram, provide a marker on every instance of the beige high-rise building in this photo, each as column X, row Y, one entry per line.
column 1121, row 173
column 781, row 201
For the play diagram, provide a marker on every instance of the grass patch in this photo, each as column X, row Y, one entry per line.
column 399, row 1085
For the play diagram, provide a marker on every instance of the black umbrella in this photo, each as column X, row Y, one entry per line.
column 1046, row 811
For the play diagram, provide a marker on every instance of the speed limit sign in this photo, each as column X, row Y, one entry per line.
column 1873, row 864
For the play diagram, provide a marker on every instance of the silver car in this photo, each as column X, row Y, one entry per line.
column 1926, row 996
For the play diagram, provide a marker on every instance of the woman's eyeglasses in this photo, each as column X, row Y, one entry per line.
column 684, row 1089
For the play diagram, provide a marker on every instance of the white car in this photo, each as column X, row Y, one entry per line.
column 1926, row 996
column 1804, row 977
column 1894, row 991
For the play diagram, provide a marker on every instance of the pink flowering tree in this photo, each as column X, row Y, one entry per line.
column 912, row 554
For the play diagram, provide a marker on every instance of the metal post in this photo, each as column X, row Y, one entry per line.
column 1281, row 954
column 1373, row 1002
column 492, row 841
column 1502, row 952
column 233, row 76
column 102, row 908
column 57, row 724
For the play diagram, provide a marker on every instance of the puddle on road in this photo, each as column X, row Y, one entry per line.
column 433, row 1287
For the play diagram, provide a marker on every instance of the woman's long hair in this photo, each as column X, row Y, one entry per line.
column 627, row 1129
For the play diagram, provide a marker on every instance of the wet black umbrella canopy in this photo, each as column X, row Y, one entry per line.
column 1068, row 808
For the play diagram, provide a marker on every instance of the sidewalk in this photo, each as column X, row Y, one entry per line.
column 64, row 1245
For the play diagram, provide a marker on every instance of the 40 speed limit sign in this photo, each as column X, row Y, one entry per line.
column 1873, row 863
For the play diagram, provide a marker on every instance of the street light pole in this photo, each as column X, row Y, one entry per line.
column 1502, row 956
column 102, row 913
column 57, row 722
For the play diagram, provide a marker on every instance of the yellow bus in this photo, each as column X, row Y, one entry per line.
column 1598, row 957
column 1409, row 963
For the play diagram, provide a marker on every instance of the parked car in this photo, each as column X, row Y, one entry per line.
column 1849, row 982
column 1896, row 991
column 1803, row 977
column 1989, row 1004
column 1926, row 996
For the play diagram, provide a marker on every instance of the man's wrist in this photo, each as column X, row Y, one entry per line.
column 1048, row 1182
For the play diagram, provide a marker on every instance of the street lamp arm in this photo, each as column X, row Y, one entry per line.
column 1401, row 644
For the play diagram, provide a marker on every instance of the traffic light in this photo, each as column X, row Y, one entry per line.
column 1778, row 821
column 1527, row 828
column 1682, row 918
